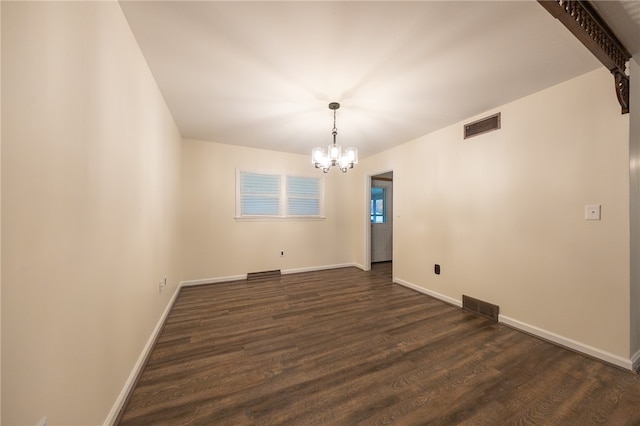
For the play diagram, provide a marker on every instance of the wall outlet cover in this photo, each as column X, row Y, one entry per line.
column 592, row 211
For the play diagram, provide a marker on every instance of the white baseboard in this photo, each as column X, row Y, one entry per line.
column 213, row 280
column 204, row 281
column 570, row 343
column 137, row 368
column 629, row 364
column 444, row 298
column 317, row 268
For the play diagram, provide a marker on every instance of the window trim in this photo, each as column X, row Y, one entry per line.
column 283, row 214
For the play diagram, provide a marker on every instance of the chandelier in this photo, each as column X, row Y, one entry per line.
column 334, row 155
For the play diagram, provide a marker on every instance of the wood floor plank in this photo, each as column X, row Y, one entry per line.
column 346, row 347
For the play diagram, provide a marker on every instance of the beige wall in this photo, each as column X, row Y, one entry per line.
column 503, row 214
column 216, row 245
column 90, row 181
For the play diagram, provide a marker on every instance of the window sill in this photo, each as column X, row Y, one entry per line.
column 278, row 218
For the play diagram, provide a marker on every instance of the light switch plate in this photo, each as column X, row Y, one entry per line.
column 592, row 211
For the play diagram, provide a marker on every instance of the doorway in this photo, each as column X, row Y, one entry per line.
column 381, row 217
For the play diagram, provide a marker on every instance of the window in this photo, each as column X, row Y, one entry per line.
column 263, row 195
column 378, row 205
column 303, row 196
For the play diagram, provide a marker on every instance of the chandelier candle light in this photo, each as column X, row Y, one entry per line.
column 334, row 155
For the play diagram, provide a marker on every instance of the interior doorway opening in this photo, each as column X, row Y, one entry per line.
column 381, row 218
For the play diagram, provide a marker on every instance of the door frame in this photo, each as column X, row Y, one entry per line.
column 367, row 213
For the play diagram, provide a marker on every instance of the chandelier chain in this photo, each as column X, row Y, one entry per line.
column 334, row 132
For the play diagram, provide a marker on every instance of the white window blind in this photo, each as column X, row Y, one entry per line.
column 259, row 194
column 303, row 196
column 263, row 195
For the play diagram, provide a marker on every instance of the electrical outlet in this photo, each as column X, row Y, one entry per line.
column 42, row 422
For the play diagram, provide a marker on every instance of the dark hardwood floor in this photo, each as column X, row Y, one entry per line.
column 346, row 347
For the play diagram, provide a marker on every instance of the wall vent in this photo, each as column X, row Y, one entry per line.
column 263, row 274
column 481, row 308
column 484, row 125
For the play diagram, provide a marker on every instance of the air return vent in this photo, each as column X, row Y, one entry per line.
column 484, row 125
column 479, row 307
column 263, row 274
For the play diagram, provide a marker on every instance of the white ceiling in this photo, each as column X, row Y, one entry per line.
column 624, row 17
column 261, row 74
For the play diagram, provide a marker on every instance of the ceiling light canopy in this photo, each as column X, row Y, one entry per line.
column 334, row 156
